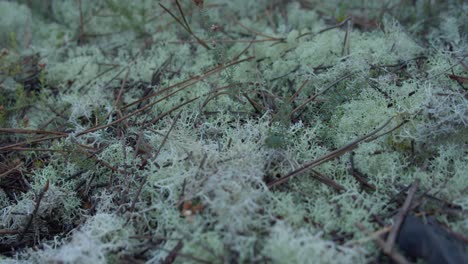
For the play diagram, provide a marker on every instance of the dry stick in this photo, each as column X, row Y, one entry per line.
column 193, row 80
column 125, row 173
column 38, row 149
column 218, row 94
column 319, row 93
column 132, row 207
column 298, row 91
column 372, row 236
column 170, row 258
column 242, row 52
column 160, row 92
column 184, row 24
column 346, row 49
column 325, row 29
column 36, row 208
column 332, row 155
column 400, row 218
column 5, row 148
column 181, row 11
column 11, row 170
column 459, row 79
column 132, row 113
column 157, row 74
column 95, row 77
column 119, row 96
column 327, row 181
column 9, row 232
column 102, row 162
column 30, row 131
column 197, row 175
column 448, row 69
column 254, row 104
column 196, row 79
column 358, row 175
column 81, row 27
column 226, row 93
column 159, row 117
column 186, row 256
column 361, row 179
column 259, row 33
column 397, row 257
column 116, row 121
column 226, row 41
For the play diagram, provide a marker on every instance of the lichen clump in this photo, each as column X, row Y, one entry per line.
column 227, row 131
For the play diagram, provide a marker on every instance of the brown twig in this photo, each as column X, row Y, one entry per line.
column 82, row 35
column 397, row 257
column 325, row 29
column 11, row 170
column 400, row 218
column 358, row 175
column 8, row 147
column 159, row 117
column 143, row 181
column 327, row 181
column 184, row 23
column 298, row 91
column 31, row 131
column 319, row 93
column 190, row 81
column 332, row 155
column 170, row 258
column 36, row 209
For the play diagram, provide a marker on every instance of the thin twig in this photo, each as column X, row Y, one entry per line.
column 397, row 257
column 184, row 23
column 31, row 131
column 170, row 258
column 370, row 237
column 358, row 175
column 346, row 43
column 132, row 207
column 190, row 81
column 11, row 170
column 332, row 155
column 327, row 181
column 36, row 209
column 8, row 147
column 325, row 29
column 319, row 93
column 400, row 218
